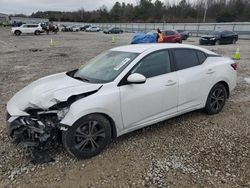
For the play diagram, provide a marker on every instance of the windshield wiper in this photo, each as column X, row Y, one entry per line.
column 82, row 79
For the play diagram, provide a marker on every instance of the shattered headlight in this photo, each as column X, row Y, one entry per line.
column 213, row 38
column 62, row 113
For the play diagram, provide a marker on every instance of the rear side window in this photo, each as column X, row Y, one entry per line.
column 201, row 56
column 155, row 64
column 32, row 26
column 185, row 58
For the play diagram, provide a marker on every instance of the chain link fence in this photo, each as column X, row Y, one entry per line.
column 196, row 29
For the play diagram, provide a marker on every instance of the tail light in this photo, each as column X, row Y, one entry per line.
column 234, row 66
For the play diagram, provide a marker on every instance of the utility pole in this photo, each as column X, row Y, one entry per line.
column 205, row 13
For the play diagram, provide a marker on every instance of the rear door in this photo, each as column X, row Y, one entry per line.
column 156, row 98
column 227, row 37
column 25, row 28
column 32, row 28
column 194, row 78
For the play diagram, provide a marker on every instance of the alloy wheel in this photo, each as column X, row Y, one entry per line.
column 89, row 136
column 217, row 99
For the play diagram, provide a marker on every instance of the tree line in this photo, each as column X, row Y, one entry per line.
column 157, row 11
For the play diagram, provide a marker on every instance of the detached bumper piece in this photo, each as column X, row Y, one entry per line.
column 35, row 133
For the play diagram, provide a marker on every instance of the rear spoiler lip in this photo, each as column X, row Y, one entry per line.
column 214, row 55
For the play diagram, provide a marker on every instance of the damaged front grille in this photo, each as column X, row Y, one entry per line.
column 37, row 132
column 33, row 132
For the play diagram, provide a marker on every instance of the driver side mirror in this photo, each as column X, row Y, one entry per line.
column 136, row 78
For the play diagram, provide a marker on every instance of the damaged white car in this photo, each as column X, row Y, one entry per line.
column 121, row 90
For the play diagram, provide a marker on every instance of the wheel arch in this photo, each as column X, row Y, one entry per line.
column 112, row 123
column 108, row 117
column 17, row 30
column 225, row 84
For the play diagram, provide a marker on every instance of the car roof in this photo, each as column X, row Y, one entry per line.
column 140, row 48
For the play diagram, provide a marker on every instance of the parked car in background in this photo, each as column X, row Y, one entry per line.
column 75, row 28
column 66, row 28
column 83, row 28
column 93, row 29
column 219, row 37
column 17, row 24
column 113, row 30
column 184, row 34
column 171, row 36
column 119, row 91
column 35, row 29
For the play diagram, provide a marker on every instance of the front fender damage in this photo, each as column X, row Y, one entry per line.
column 41, row 128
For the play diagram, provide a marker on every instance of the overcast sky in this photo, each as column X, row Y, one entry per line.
column 29, row 6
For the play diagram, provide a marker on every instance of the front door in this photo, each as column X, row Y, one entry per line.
column 141, row 103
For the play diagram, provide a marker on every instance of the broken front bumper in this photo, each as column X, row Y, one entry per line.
column 31, row 131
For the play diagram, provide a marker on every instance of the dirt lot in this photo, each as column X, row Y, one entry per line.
column 194, row 150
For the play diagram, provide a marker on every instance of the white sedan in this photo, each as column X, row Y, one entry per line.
column 93, row 29
column 119, row 91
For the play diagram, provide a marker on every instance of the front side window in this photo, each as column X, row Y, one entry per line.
column 105, row 67
column 155, row 64
column 185, row 58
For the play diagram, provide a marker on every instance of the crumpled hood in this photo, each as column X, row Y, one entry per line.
column 45, row 92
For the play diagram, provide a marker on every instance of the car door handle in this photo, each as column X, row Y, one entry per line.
column 170, row 83
column 210, row 71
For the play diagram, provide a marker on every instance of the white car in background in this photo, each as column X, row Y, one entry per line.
column 93, row 29
column 35, row 29
column 121, row 90
column 75, row 28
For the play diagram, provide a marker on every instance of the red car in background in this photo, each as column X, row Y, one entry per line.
column 171, row 36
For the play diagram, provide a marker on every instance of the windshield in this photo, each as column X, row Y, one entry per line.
column 105, row 67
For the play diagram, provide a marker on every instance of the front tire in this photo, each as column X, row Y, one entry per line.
column 18, row 33
column 216, row 99
column 217, row 42
column 88, row 136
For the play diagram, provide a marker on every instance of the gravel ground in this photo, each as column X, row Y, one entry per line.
column 193, row 150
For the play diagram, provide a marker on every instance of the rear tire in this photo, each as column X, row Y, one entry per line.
column 216, row 99
column 18, row 33
column 37, row 33
column 88, row 136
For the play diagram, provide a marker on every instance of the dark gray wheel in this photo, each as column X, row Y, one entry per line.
column 216, row 99
column 18, row 33
column 234, row 41
column 88, row 136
